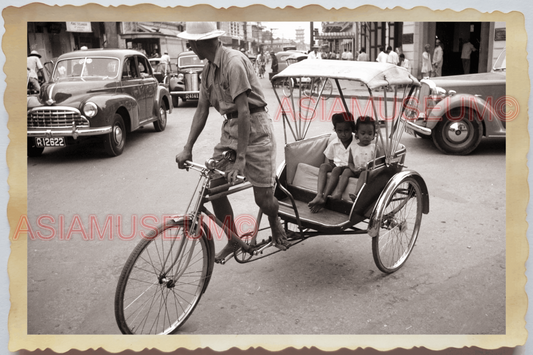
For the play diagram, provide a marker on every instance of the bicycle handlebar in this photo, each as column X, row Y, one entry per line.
column 211, row 162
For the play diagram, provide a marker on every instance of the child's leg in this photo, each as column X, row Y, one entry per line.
column 341, row 186
column 318, row 202
column 333, row 180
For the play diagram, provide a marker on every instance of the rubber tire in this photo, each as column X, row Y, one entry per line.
column 34, row 151
column 397, row 218
column 155, row 236
column 161, row 122
column 112, row 147
column 472, row 140
column 287, row 84
column 175, row 101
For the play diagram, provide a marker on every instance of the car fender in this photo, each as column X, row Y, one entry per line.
column 394, row 182
column 485, row 111
column 162, row 94
column 110, row 104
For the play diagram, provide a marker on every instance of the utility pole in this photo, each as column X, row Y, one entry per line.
column 311, row 40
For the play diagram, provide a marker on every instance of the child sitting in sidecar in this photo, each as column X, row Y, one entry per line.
column 347, row 155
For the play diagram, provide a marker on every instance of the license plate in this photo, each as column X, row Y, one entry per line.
column 50, row 142
column 192, row 96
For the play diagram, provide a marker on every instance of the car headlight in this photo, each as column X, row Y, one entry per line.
column 180, row 77
column 90, row 109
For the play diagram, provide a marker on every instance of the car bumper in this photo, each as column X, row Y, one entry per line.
column 412, row 128
column 73, row 132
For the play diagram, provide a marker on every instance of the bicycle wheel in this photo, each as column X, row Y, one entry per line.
column 398, row 227
column 163, row 280
column 287, row 86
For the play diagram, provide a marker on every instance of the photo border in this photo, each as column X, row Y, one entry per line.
column 517, row 192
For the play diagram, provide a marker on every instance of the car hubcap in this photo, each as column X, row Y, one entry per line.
column 458, row 132
column 118, row 135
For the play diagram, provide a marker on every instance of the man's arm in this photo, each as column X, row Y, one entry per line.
column 244, row 136
column 197, row 126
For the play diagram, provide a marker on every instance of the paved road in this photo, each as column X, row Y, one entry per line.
column 453, row 283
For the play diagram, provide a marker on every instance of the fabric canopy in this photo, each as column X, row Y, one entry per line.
column 372, row 74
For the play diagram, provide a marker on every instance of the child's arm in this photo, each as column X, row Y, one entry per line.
column 351, row 165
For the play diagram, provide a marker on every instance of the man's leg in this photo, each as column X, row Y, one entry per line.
column 264, row 198
column 224, row 212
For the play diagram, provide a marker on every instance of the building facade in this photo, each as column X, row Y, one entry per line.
column 410, row 38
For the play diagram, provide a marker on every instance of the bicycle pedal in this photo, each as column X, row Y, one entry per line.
column 260, row 250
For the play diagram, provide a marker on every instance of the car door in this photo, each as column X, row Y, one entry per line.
column 149, row 86
column 132, row 85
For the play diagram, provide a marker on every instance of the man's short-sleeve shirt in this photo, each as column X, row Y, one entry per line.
column 34, row 64
column 229, row 75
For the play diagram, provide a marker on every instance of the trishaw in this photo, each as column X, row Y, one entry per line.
column 169, row 270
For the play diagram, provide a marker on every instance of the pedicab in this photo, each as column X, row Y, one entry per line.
column 169, row 270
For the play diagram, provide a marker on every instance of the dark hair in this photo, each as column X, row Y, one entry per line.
column 402, row 55
column 343, row 117
column 363, row 49
column 389, row 48
column 365, row 120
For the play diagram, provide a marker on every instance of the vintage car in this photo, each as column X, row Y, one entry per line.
column 457, row 111
column 101, row 92
column 186, row 85
column 163, row 71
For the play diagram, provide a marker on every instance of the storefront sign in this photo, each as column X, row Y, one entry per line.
column 407, row 38
column 79, row 27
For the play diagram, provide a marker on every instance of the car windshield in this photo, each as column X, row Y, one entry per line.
column 191, row 60
column 500, row 64
column 86, row 68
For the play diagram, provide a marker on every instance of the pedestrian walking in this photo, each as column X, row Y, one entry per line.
column 165, row 58
column 467, row 50
column 35, row 71
column 404, row 62
column 363, row 57
column 382, row 56
column 438, row 58
column 314, row 54
column 392, row 57
column 345, row 54
column 426, row 62
column 230, row 85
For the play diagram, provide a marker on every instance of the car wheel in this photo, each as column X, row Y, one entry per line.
column 460, row 135
column 175, row 101
column 115, row 140
column 34, row 151
column 161, row 123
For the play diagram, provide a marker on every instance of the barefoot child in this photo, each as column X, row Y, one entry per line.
column 337, row 152
column 363, row 151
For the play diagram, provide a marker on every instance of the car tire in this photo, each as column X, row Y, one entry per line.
column 161, row 122
column 175, row 101
column 115, row 141
column 34, row 151
column 459, row 136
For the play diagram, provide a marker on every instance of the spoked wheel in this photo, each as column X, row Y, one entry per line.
column 287, row 86
column 163, row 280
column 399, row 226
column 313, row 88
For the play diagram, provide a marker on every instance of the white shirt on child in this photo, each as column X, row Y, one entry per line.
column 362, row 155
column 335, row 151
